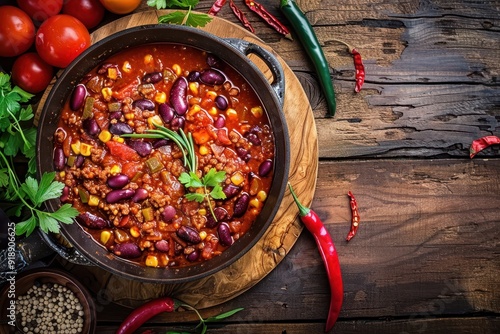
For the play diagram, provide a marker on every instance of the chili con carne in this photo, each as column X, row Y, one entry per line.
column 216, row 7
column 270, row 19
column 145, row 312
column 480, row 144
column 241, row 16
column 355, row 216
column 329, row 255
column 309, row 40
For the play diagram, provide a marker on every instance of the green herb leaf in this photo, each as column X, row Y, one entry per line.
column 213, row 177
column 26, row 227
column 217, row 192
column 190, row 180
column 195, row 197
column 224, row 315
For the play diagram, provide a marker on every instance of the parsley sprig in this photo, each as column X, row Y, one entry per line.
column 17, row 140
column 202, row 326
column 186, row 17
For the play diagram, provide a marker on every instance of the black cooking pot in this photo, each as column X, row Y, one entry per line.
column 235, row 53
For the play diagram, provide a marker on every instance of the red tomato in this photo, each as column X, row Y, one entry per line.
column 31, row 73
column 60, row 39
column 121, row 6
column 17, row 31
column 40, row 10
column 89, row 12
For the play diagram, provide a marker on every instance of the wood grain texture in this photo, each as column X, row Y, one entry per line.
column 282, row 233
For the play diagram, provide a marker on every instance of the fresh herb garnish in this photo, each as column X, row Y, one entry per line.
column 186, row 17
column 210, row 185
column 17, row 139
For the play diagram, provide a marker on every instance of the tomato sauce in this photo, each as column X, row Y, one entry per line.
column 130, row 189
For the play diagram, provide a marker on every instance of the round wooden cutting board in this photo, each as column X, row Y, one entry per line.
column 281, row 235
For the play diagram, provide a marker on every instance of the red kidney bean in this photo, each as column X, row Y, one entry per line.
column 178, row 95
column 213, row 61
column 127, row 250
column 265, row 167
column 168, row 213
column 143, row 148
column 92, row 221
column 118, row 181
column 152, row 77
column 220, row 213
column 140, row 195
column 115, row 196
column 241, row 152
column 177, row 123
column 144, row 104
column 78, row 97
column 166, row 112
column 115, row 115
column 225, row 235
column 189, row 234
column 230, row 190
column 90, row 126
column 241, row 205
column 193, row 256
column 59, row 158
column 120, row 128
column 221, row 102
column 161, row 142
column 64, row 195
column 220, row 122
column 79, row 161
column 212, row 77
column 253, row 138
column 193, row 76
column 162, row 246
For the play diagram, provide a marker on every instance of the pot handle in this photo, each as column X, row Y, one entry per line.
column 70, row 254
column 278, row 84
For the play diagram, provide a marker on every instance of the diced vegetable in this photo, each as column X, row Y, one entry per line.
column 154, row 165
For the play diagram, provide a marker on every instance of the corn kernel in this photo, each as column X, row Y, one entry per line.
column 156, row 119
column 231, row 113
column 107, row 93
column 129, row 116
column 237, row 178
column 115, row 169
column 105, row 235
column 210, row 94
column 126, row 67
column 177, row 69
column 112, row 73
column 134, row 231
column 93, row 200
column 194, row 87
column 105, row 136
column 148, row 59
column 62, row 174
column 204, row 150
column 213, row 111
column 85, row 149
column 160, row 97
column 118, row 139
column 261, row 195
column 203, row 235
column 254, row 202
column 257, row 111
column 75, row 147
column 152, row 261
column 202, row 212
column 194, row 109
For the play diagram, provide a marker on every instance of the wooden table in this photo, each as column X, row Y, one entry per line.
column 426, row 258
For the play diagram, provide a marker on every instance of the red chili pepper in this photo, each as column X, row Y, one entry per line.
column 145, row 312
column 358, row 66
column 354, row 216
column 241, row 16
column 269, row 18
column 330, row 258
column 216, row 7
column 480, row 144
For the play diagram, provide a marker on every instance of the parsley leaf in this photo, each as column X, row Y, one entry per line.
column 178, row 17
column 17, row 138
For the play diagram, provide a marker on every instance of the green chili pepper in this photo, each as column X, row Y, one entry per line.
column 307, row 37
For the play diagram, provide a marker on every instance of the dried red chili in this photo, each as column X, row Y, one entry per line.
column 358, row 66
column 216, row 7
column 330, row 258
column 241, row 16
column 354, row 216
column 258, row 9
column 480, row 144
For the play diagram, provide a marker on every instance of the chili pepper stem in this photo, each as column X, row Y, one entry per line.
column 302, row 209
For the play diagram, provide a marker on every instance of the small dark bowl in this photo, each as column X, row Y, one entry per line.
column 232, row 51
